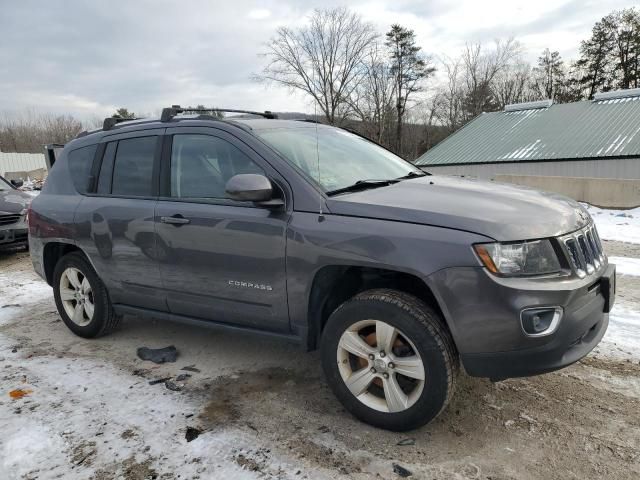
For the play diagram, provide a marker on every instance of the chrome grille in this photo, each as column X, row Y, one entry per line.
column 9, row 219
column 584, row 250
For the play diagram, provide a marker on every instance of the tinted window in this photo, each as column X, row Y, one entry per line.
column 201, row 166
column 80, row 161
column 106, row 169
column 133, row 167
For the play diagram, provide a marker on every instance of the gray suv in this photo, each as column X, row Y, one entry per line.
column 317, row 235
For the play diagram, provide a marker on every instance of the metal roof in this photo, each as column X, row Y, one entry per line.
column 581, row 130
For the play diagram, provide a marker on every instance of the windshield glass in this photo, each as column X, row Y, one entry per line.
column 345, row 158
column 4, row 185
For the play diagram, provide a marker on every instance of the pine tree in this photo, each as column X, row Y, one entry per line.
column 595, row 60
column 550, row 74
column 409, row 69
column 624, row 26
column 124, row 113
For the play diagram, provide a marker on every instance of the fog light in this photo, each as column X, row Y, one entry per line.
column 537, row 322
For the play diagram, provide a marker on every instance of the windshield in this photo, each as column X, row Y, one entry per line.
column 4, row 185
column 344, row 158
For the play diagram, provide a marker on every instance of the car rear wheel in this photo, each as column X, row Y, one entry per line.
column 389, row 359
column 81, row 297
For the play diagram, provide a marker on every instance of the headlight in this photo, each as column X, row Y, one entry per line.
column 521, row 258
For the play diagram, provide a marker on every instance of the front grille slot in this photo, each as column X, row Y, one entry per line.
column 9, row 219
column 585, row 250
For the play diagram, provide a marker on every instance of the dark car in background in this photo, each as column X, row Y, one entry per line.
column 13, row 213
column 317, row 235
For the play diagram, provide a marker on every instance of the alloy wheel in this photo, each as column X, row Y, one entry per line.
column 380, row 366
column 77, row 296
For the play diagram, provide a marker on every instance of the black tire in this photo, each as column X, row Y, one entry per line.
column 104, row 319
column 423, row 327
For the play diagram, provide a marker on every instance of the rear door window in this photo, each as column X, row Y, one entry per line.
column 80, row 162
column 133, row 167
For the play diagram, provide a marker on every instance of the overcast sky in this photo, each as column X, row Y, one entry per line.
column 87, row 58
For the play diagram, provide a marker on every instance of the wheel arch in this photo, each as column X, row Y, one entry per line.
column 53, row 252
column 334, row 284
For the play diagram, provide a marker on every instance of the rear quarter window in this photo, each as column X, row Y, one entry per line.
column 80, row 161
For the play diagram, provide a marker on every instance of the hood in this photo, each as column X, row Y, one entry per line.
column 500, row 211
column 13, row 201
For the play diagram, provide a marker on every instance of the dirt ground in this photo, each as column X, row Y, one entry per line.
column 271, row 399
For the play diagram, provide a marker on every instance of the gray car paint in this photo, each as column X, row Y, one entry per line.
column 424, row 227
column 13, row 201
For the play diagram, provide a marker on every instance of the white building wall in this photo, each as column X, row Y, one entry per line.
column 625, row 168
column 21, row 162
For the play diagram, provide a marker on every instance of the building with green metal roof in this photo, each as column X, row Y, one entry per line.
column 598, row 139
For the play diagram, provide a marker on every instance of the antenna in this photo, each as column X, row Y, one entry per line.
column 315, row 114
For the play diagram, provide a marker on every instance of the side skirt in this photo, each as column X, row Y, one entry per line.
column 122, row 309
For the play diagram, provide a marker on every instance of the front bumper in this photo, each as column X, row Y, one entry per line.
column 483, row 312
column 12, row 234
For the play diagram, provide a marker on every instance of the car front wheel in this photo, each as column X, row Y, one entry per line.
column 389, row 359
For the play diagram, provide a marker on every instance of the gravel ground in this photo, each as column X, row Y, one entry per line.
column 259, row 408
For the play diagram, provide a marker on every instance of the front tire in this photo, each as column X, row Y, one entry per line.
column 81, row 297
column 389, row 359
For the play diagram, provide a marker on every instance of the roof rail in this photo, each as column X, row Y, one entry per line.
column 173, row 110
column 111, row 122
column 516, row 107
column 615, row 94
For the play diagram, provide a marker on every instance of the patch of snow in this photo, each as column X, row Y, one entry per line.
column 626, row 265
column 81, row 408
column 622, row 339
column 619, row 225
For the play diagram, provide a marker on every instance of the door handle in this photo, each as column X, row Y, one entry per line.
column 175, row 220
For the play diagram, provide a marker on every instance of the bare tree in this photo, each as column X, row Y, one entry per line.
column 323, row 59
column 30, row 131
column 409, row 67
column 372, row 99
column 480, row 70
column 513, row 84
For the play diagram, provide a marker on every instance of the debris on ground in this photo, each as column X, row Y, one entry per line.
column 159, row 380
column 182, row 377
column 401, row 471
column 192, row 433
column 191, row 368
column 158, row 355
column 19, row 393
column 406, row 441
column 324, row 429
column 173, row 386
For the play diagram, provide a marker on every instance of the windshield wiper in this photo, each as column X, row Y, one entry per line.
column 412, row 175
column 363, row 185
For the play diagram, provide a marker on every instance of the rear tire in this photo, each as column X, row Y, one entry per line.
column 81, row 298
column 407, row 385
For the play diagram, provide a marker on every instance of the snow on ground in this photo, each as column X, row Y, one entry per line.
column 626, row 265
column 98, row 404
column 619, row 225
column 622, row 339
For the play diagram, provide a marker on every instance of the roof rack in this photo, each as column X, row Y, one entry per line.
column 172, row 111
column 111, row 122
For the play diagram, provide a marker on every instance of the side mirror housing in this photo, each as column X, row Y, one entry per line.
column 250, row 187
column 17, row 183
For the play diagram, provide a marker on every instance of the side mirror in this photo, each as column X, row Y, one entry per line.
column 250, row 187
column 17, row 183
